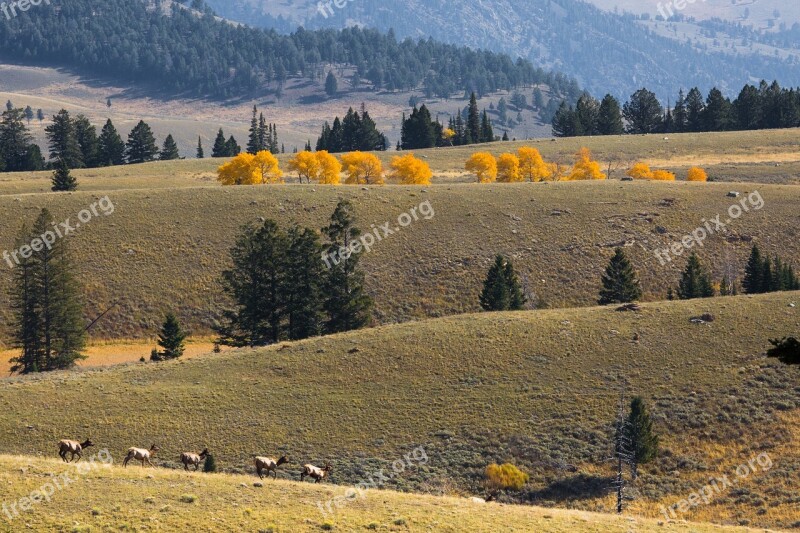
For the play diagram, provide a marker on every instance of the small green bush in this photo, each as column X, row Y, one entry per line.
column 188, row 498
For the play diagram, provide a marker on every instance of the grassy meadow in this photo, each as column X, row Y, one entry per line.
column 537, row 388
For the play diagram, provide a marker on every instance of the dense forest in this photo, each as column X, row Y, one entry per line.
column 192, row 53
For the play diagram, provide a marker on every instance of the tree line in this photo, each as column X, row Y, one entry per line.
column 768, row 106
column 196, row 54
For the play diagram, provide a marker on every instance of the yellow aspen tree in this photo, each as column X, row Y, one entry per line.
column 508, row 170
column 483, row 165
column 240, row 170
column 306, row 165
column 266, row 168
column 663, row 175
column 330, row 169
column 696, row 174
column 411, row 171
column 362, row 169
column 585, row 167
column 640, row 171
column 532, row 165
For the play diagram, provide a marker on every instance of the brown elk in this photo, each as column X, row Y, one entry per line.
column 73, row 447
column 269, row 465
column 318, row 474
column 140, row 454
column 189, row 458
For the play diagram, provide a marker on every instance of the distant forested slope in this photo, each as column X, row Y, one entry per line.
column 191, row 53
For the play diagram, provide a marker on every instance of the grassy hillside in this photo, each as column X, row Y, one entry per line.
column 116, row 499
column 535, row 388
column 164, row 249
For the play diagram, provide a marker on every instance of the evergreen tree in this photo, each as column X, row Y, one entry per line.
column 62, row 180
column 679, row 115
column 502, row 290
column 111, row 148
column 63, row 141
column 39, row 115
column 419, row 131
column 620, row 283
column 47, row 307
column 718, row 113
column 643, row 112
column 786, row 350
column 487, row 133
column 304, row 276
column 473, row 125
column 220, row 148
column 170, row 150
column 587, row 111
column 565, row 122
column 696, row 281
column 15, row 142
column 754, row 281
column 232, row 147
column 141, row 146
column 86, row 135
column 331, row 85
column 694, row 110
column 170, row 339
column 28, row 114
column 640, row 434
column 609, row 120
column 255, row 282
column 200, row 154
column 347, row 304
column 210, row 464
column 254, row 140
column 264, row 137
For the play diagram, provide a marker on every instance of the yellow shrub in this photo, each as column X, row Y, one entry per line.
column 532, row 165
column 663, row 175
column 641, row 171
column 411, row 171
column 505, row 477
column 585, row 168
column 696, row 174
column 508, row 170
column 362, row 169
column 484, row 165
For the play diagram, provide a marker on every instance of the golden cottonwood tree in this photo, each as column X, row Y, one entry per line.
column 411, row 171
column 362, row 169
column 640, row 171
column 663, row 175
column 240, row 170
column 585, row 167
column 532, row 165
column 330, row 169
column 266, row 168
column 508, row 169
column 484, row 165
column 307, row 166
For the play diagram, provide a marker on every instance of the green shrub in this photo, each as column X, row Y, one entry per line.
column 188, row 498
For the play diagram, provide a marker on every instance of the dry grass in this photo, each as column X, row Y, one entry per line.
column 116, row 499
column 165, row 249
column 535, row 388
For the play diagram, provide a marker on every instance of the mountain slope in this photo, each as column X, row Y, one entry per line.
column 606, row 52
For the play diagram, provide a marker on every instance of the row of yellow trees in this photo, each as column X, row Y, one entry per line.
column 360, row 168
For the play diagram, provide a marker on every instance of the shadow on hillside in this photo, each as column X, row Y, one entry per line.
column 578, row 487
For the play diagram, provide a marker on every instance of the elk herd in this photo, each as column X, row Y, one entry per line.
column 264, row 465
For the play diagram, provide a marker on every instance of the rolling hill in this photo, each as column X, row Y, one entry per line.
column 538, row 389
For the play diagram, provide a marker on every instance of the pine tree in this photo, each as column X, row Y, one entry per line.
column 609, row 121
column 210, row 464
column 565, row 122
column 679, row 115
column 28, row 114
column 200, row 154
column 786, row 350
column 169, row 150
column 620, row 283
column 254, row 142
column 141, row 146
column 264, row 141
column 15, row 142
column 47, row 305
column 473, row 126
column 696, row 281
column 495, row 296
column 62, row 180
column 642, row 438
column 304, row 275
column 62, row 140
column 232, row 147
column 754, row 282
column 170, row 339
column 111, row 148
column 86, row 135
column 220, row 148
column 487, row 133
column 331, row 84
column 347, row 304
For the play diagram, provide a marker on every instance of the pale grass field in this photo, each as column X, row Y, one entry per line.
column 106, row 499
